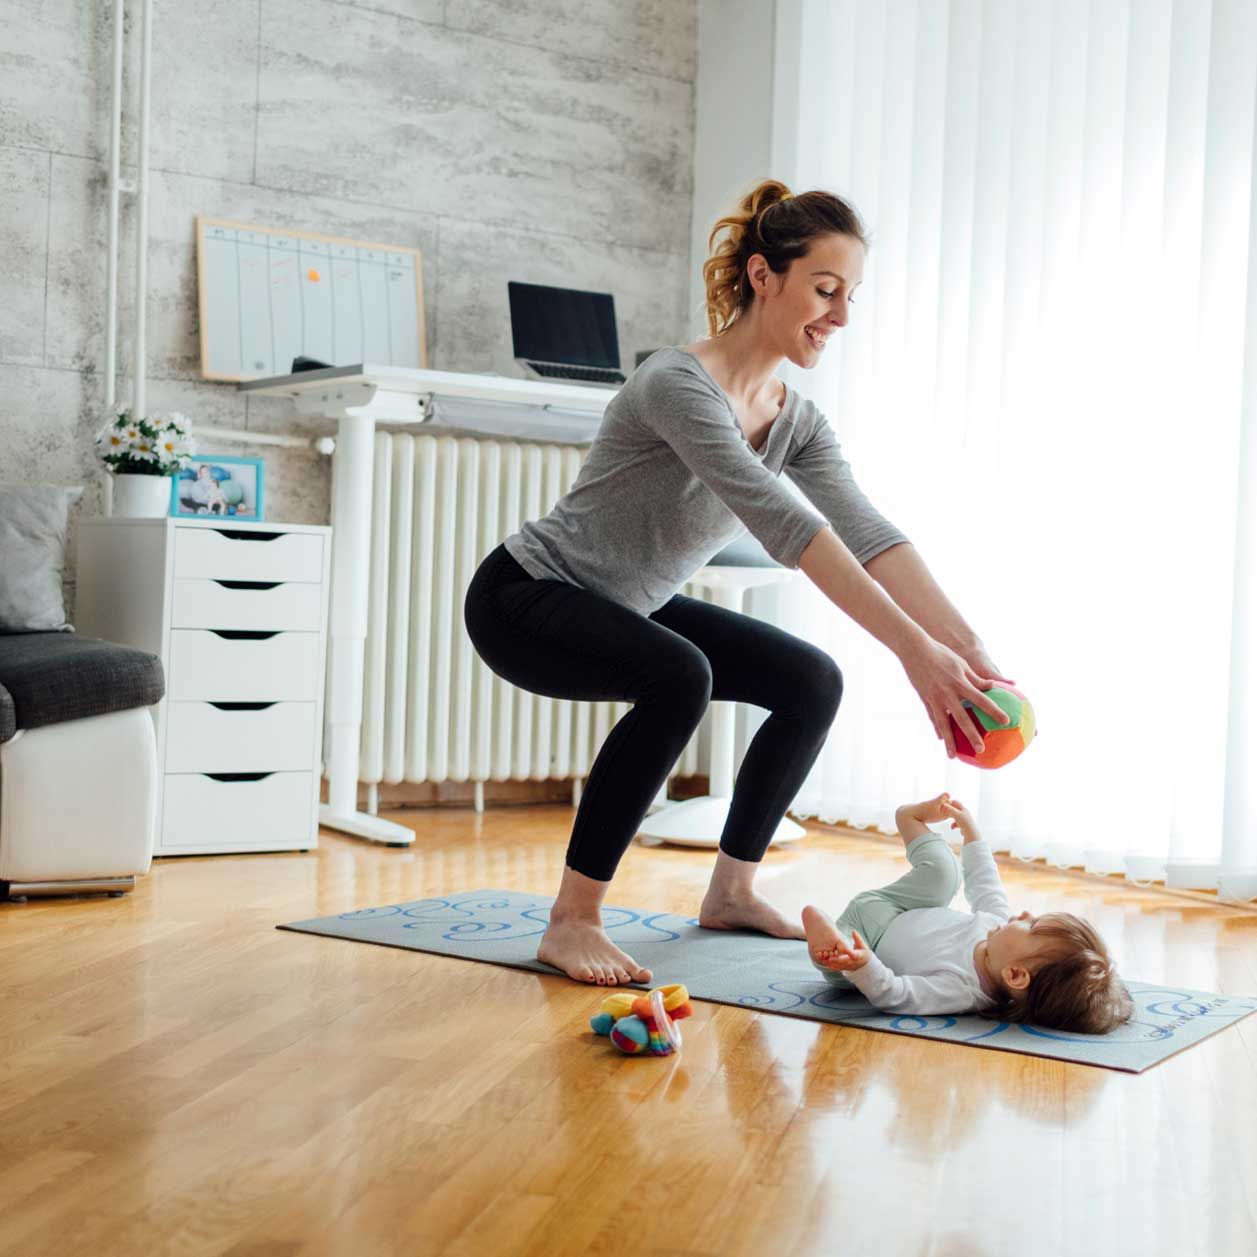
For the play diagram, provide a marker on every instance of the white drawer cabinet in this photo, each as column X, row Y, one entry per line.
column 238, row 614
column 228, row 604
column 238, row 811
column 240, row 737
column 255, row 554
column 243, row 665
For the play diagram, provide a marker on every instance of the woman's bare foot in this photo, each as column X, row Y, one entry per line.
column 575, row 941
column 822, row 937
column 583, row 951
column 744, row 911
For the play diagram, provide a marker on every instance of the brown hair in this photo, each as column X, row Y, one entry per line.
column 781, row 226
column 1075, row 987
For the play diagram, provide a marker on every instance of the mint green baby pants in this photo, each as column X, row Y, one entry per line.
column 931, row 882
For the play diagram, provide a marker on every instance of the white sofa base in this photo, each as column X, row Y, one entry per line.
column 78, row 804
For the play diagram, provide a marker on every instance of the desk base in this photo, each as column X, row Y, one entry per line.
column 700, row 822
column 363, row 826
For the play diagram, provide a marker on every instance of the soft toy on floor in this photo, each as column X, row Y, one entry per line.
column 644, row 1023
column 1001, row 743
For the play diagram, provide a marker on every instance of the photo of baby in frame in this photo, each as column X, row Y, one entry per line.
column 218, row 485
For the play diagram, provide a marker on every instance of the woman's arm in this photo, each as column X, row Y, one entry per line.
column 941, row 677
column 833, row 569
column 901, row 572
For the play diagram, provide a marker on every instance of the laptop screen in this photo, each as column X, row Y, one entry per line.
column 563, row 325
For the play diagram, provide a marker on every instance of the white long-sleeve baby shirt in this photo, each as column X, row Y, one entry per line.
column 923, row 963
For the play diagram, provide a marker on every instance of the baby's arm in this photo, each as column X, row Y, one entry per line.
column 983, row 888
column 926, row 994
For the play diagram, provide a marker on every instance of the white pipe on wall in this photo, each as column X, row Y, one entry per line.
column 241, row 436
column 140, row 365
column 111, row 287
column 115, row 144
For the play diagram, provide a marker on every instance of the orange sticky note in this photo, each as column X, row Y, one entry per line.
column 313, row 276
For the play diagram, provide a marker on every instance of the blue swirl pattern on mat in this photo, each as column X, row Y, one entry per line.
column 768, row 975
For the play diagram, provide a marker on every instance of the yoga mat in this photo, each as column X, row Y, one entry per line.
column 768, row 975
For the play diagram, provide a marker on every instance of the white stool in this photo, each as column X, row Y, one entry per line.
column 700, row 822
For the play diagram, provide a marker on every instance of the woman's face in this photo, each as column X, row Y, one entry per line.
column 807, row 305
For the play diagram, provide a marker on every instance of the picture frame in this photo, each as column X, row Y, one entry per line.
column 214, row 486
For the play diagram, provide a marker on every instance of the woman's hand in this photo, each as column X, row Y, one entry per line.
column 977, row 659
column 943, row 681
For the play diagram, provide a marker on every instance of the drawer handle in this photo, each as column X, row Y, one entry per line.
column 243, row 706
column 238, row 776
column 249, row 584
column 246, row 635
column 239, row 534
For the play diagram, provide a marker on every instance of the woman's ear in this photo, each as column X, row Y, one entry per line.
column 757, row 271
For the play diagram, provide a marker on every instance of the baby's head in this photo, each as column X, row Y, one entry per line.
column 1055, row 971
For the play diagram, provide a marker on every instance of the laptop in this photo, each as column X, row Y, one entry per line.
column 565, row 334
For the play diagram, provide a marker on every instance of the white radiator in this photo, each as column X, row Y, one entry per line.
column 432, row 710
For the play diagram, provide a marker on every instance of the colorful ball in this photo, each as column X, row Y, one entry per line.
column 1002, row 743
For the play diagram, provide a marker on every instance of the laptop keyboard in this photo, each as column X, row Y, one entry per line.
column 603, row 375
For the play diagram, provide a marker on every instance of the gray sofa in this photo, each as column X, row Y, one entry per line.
column 78, row 765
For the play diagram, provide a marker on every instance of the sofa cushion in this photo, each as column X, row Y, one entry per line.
column 33, row 523
column 51, row 677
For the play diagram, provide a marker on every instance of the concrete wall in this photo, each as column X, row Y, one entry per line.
column 747, row 117
column 732, row 122
column 544, row 140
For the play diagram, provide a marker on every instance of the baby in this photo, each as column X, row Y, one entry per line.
column 910, row 953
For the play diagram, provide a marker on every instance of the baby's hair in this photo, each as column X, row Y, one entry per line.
column 781, row 226
column 1075, row 986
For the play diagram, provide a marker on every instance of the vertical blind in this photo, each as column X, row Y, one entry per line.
column 1049, row 383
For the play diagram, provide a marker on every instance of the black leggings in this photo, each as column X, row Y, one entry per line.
column 562, row 641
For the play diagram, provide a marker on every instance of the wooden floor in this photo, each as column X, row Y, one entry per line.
column 180, row 1077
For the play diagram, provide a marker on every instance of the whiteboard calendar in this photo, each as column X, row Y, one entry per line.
column 268, row 295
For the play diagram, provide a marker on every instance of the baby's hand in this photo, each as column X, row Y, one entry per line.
column 960, row 818
column 843, row 955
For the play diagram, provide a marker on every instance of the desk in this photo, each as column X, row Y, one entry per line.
column 359, row 397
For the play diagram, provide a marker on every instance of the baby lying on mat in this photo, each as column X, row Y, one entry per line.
column 910, row 953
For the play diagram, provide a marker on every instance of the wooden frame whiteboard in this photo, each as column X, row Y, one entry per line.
column 266, row 294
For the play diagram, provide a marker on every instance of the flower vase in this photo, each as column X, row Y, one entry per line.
column 140, row 497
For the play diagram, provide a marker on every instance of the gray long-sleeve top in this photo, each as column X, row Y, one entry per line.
column 670, row 480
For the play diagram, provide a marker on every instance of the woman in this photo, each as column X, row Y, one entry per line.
column 582, row 604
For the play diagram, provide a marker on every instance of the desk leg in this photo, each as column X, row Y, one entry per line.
column 351, row 561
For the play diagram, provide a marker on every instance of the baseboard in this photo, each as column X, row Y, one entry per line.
column 455, row 794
